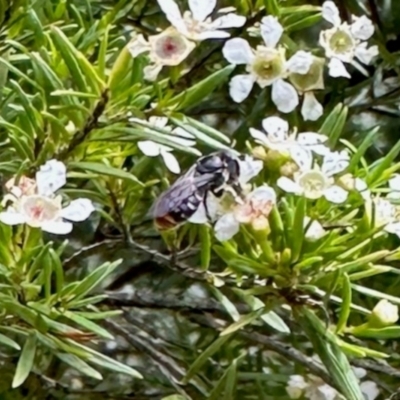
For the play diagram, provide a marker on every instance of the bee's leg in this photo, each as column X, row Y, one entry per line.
column 206, row 206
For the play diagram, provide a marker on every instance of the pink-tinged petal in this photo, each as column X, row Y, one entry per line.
column 277, row 128
column 337, row 69
column 335, row 194
column 171, row 162
column 311, row 109
column 78, row 210
column 331, row 13
column 237, row 51
column 288, row 185
column 11, row 217
column 57, row 227
column 263, row 193
column 271, row 30
column 228, row 21
column 284, row 96
column 51, row 177
column 201, row 9
column 226, row 227
column 300, row 62
column 240, row 87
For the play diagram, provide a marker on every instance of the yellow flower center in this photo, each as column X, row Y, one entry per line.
column 341, row 42
column 313, row 183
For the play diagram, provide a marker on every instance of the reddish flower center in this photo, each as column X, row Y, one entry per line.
column 37, row 212
column 170, row 46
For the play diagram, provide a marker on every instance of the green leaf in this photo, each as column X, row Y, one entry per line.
column 208, row 130
column 345, row 309
column 334, row 124
column 174, row 397
column 243, row 321
column 89, row 325
column 25, row 362
column 9, row 342
column 103, row 169
column 204, row 357
column 298, row 228
column 383, row 164
column 390, row 332
column 200, row 90
column 97, row 358
column 331, row 355
column 205, row 246
column 375, row 293
column 79, row 365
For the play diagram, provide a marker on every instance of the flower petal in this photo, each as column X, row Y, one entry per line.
column 277, row 128
column 335, row 194
column 335, row 162
column 226, row 227
column 199, row 216
column 271, row 30
column 362, row 28
column 201, row 9
column 310, row 138
column 302, row 157
column 300, row 62
column 138, row 45
column 12, row 217
column 288, row 185
column 212, row 34
column 312, row 109
column 369, row 389
column 331, row 13
column 151, row 71
column 259, row 136
column 284, row 96
column 171, row 10
column 57, row 227
column 228, row 21
column 170, row 162
column 237, row 51
column 337, row 68
column 240, row 87
column 50, row 177
column 158, row 122
column 249, row 168
column 149, row 148
column 78, row 210
column 263, row 193
column 394, row 182
column 393, row 227
column 315, row 230
column 364, row 54
column 182, row 132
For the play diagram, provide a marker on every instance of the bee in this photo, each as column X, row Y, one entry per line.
column 212, row 173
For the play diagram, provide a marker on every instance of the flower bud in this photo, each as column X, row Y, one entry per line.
column 384, row 314
column 259, row 152
column 288, row 169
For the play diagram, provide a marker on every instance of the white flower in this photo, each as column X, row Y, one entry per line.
column 387, row 215
column 196, row 23
column 314, row 231
column 266, row 66
column 153, row 149
column 41, row 208
column 296, row 386
column 385, row 313
column 394, row 186
column 315, row 182
column 168, row 48
column 255, row 210
column 277, row 137
column 344, row 42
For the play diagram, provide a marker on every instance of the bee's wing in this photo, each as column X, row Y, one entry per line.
column 182, row 189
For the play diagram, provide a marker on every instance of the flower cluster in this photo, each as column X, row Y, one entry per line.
column 314, row 388
column 33, row 201
column 174, row 44
column 343, row 42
